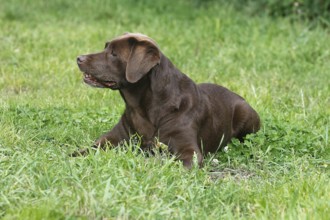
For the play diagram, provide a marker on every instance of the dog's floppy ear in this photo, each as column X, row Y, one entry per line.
column 144, row 56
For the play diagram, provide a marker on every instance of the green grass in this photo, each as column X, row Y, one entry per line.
column 46, row 112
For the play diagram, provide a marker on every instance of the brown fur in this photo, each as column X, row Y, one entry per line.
column 161, row 102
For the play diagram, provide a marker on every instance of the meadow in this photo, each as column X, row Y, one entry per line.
column 281, row 67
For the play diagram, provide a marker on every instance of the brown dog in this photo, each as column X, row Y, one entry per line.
column 161, row 102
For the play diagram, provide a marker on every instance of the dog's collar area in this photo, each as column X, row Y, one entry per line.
column 92, row 81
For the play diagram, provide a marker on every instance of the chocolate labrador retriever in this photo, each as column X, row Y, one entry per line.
column 161, row 102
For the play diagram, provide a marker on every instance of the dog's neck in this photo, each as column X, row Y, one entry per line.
column 134, row 94
column 164, row 85
column 165, row 78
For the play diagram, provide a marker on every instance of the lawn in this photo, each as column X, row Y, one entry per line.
column 279, row 66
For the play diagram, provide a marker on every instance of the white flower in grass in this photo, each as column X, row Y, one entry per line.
column 215, row 161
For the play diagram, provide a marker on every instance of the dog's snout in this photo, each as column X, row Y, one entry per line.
column 81, row 59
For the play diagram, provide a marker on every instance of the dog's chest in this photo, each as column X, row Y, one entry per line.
column 142, row 124
column 147, row 120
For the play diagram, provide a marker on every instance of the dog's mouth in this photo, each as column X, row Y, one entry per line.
column 92, row 81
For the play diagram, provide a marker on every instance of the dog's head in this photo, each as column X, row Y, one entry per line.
column 124, row 60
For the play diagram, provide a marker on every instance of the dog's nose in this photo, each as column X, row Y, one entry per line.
column 81, row 59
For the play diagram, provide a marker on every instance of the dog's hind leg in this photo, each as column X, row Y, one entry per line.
column 245, row 121
column 184, row 145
